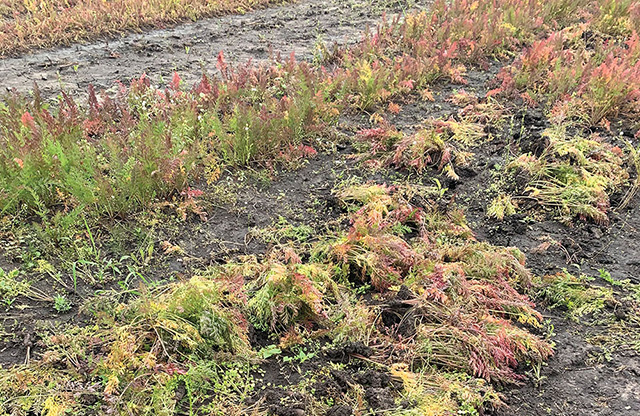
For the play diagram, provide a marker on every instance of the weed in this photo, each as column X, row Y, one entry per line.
column 145, row 144
column 606, row 276
column 353, row 320
column 11, row 287
column 289, row 294
column 219, row 388
column 577, row 82
column 454, row 265
column 441, row 145
column 301, row 355
column 573, row 294
column 145, row 340
column 501, row 206
column 269, row 351
column 61, row 304
column 616, row 17
column 460, row 294
column 406, row 56
column 282, row 232
column 439, row 393
column 487, row 351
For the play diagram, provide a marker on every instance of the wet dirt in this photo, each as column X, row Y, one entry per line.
column 577, row 380
column 277, row 383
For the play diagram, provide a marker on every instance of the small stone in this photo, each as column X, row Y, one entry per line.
column 597, row 233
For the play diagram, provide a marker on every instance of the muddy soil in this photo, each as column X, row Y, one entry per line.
column 578, row 380
column 193, row 48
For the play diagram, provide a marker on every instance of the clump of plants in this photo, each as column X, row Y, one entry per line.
column 574, row 176
column 615, row 18
column 133, row 357
column 402, row 58
column 439, row 393
column 589, row 83
column 288, row 294
column 573, row 294
column 405, row 56
column 441, row 144
column 283, row 232
column 11, row 287
column 611, row 304
column 445, row 273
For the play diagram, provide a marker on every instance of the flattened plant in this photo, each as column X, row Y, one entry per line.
column 574, row 176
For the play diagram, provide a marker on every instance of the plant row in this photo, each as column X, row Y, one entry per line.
column 143, row 143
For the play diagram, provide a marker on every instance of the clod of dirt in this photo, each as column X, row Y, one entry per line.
column 405, row 293
column 88, row 399
column 344, row 352
column 380, row 398
column 336, row 384
column 400, row 315
column 342, row 410
column 372, row 378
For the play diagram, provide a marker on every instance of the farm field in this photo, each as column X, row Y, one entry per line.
column 320, row 208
